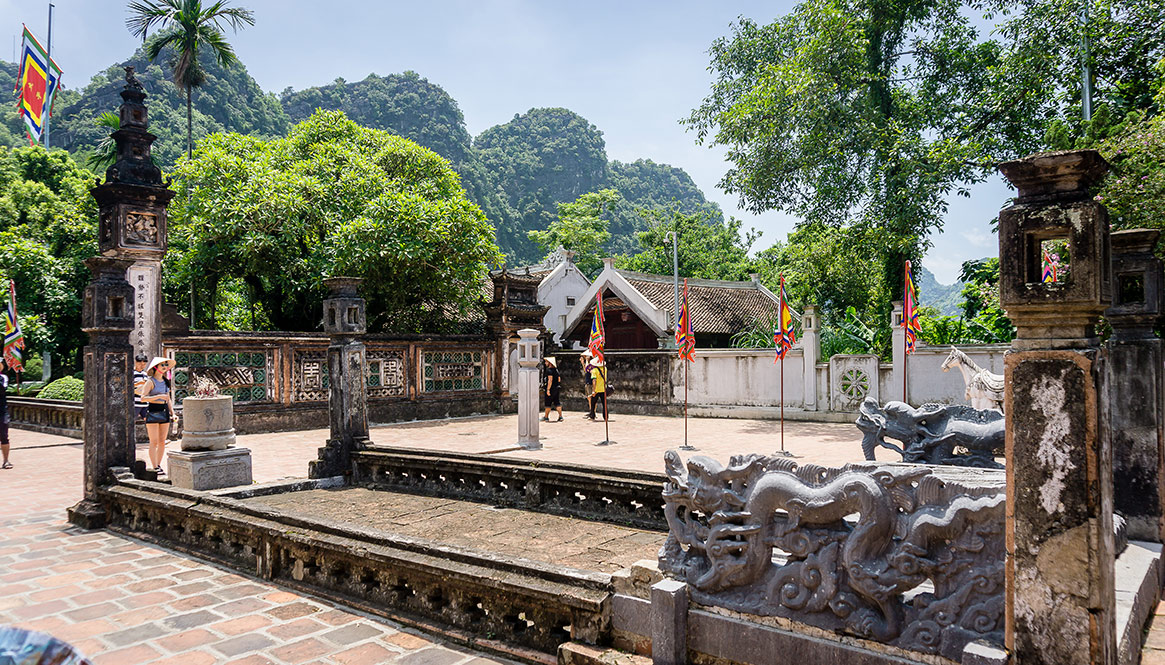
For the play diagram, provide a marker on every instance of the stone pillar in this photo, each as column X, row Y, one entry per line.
column 529, row 390
column 132, row 216
column 1136, row 384
column 347, row 375
column 107, row 317
column 811, row 351
column 897, row 351
column 1059, row 533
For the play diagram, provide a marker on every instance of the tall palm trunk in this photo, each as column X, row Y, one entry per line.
column 189, row 128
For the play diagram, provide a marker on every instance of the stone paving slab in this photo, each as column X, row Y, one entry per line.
column 553, row 539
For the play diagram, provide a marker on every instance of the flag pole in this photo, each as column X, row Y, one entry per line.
column 45, row 120
column 783, row 406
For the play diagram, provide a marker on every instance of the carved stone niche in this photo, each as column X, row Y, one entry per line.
column 1138, row 296
column 1055, row 204
column 130, row 228
column 344, row 308
column 905, row 555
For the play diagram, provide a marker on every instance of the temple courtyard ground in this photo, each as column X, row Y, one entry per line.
column 123, row 601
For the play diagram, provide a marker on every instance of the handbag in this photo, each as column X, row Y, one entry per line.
column 157, row 416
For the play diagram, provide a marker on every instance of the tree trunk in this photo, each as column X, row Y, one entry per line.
column 189, row 127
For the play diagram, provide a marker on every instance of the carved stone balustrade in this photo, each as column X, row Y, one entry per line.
column 921, row 567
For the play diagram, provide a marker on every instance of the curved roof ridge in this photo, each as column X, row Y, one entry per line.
column 692, row 281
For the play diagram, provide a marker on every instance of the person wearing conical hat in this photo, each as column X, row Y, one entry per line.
column 552, row 398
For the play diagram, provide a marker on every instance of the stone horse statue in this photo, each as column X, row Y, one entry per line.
column 953, row 434
column 984, row 389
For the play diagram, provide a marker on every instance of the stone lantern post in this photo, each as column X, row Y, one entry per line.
column 107, row 316
column 529, row 394
column 1136, row 385
column 1059, row 532
column 132, row 216
column 811, row 350
column 344, row 321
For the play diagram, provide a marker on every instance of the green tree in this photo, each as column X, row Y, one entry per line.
column 581, row 227
column 860, row 113
column 105, row 154
column 705, row 249
column 48, row 227
column 332, row 198
column 187, row 28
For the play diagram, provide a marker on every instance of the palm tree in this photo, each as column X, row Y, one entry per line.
column 187, row 27
column 105, row 154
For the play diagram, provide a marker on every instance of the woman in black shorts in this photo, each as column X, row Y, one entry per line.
column 553, row 387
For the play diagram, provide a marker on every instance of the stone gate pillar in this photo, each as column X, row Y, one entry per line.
column 898, row 350
column 810, row 351
column 529, row 392
column 107, row 316
column 347, row 376
column 132, row 220
column 1059, row 534
column 1136, row 385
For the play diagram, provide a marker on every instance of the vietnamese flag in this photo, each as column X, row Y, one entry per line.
column 34, row 88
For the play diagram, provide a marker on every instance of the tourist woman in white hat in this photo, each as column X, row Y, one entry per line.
column 155, row 392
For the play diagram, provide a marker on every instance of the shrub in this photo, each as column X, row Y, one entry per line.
column 67, row 388
column 26, row 389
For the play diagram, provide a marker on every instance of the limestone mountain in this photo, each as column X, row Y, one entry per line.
column 946, row 298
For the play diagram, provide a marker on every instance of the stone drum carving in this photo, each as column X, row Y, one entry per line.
column 852, row 543
column 141, row 228
column 934, row 433
column 984, row 388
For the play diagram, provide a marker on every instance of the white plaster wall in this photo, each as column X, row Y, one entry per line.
column 553, row 292
column 928, row 383
column 740, row 377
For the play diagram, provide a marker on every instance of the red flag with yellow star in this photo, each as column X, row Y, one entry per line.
column 37, row 81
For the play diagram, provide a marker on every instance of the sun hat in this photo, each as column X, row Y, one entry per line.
column 551, row 361
column 588, row 353
column 158, row 360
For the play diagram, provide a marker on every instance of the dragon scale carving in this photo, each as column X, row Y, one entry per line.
column 902, row 554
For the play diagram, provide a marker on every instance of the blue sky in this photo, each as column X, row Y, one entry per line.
column 633, row 68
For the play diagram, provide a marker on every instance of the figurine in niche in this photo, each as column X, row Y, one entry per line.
column 141, row 228
column 132, row 81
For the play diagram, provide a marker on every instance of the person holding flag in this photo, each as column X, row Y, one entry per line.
column 599, row 373
column 686, row 348
column 784, row 338
column 910, row 323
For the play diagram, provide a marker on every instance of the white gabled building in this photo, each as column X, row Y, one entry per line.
column 562, row 286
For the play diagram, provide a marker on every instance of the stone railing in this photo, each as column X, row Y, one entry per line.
column 51, row 416
column 280, row 380
column 606, row 495
column 920, row 569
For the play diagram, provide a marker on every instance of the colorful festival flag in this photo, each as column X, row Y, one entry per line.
column 1051, row 267
column 910, row 312
column 685, row 340
column 37, row 80
column 784, row 338
column 597, row 340
column 13, row 338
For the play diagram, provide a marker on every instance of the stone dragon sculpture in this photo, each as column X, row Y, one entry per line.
column 914, row 525
column 933, row 433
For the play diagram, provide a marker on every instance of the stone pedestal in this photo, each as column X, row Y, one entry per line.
column 1136, row 383
column 208, row 423
column 811, row 351
column 529, row 389
column 210, row 469
column 107, row 317
column 1060, row 563
column 348, row 378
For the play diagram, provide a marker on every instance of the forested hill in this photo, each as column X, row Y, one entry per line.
column 516, row 172
column 946, row 298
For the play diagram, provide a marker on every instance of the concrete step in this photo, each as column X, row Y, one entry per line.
column 574, row 653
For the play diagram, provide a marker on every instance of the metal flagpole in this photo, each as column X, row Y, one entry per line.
column 783, row 405
column 606, row 396
column 49, row 67
column 905, row 360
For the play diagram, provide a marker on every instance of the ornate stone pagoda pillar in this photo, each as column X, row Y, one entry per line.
column 1136, row 384
column 1059, row 533
column 132, row 205
column 107, row 317
column 529, row 392
column 345, row 323
column 811, row 351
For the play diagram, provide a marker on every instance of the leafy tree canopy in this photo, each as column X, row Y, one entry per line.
column 48, row 227
column 332, row 198
column 581, row 227
column 706, row 250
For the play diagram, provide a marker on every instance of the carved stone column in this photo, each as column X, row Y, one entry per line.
column 1060, row 568
column 345, row 324
column 1136, row 385
column 132, row 204
column 107, row 317
column 810, row 350
column 529, row 392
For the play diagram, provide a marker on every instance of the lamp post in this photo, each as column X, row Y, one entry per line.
column 675, row 267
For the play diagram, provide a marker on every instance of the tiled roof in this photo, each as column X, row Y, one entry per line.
column 715, row 306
